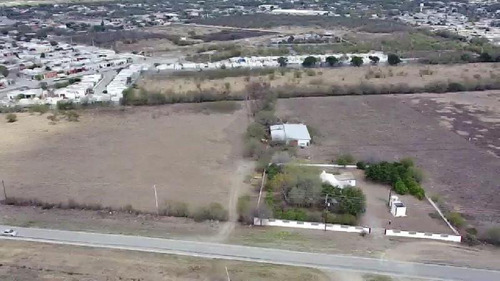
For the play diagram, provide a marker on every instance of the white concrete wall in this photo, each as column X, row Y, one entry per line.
column 423, row 235
column 310, row 225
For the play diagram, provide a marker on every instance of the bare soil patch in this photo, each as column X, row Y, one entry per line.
column 474, row 116
column 376, row 128
column 114, row 157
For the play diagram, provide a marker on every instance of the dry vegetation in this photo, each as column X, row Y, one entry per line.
column 333, row 81
column 21, row 261
column 114, row 157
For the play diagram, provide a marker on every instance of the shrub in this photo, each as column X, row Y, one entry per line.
column 456, row 87
column 357, row 61
column 400, row 187
column 346, row 219
column 62, row 105
column 175, row 209
column 493, row 236
column 361, row 165
column 244, row 210
column 52, row 118
column 345, row 159
column 436, row 87
column 293, row 214
column 72, row 116
column 310, row 72
column 156, row 99
column 309, row 61
column 455, row 219
column 253, row 148
column 266, row 118
column 470, row 239
column 393, row 59
column 256, row 130
column 40, row 108
column 11, row 117
column 214, row 211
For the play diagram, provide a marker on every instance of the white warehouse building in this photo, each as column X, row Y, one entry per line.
column 292, row 134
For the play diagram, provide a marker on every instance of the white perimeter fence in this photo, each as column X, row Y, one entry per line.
column 423, row 235
column 310, row 225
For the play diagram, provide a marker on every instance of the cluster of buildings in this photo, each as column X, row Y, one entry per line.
column 41, row 71
column 450, row 18
column 269, row 61
column 306, row 38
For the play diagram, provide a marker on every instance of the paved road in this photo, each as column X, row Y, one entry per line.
column 107, row 77
column 254, row 254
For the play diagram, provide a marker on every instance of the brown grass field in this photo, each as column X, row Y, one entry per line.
column 23, row 261
column 114, row 157
column 464, row 172
column 322, row 79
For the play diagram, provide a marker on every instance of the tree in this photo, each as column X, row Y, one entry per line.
column 485, row 57
column 53, row 43
column 357, row 61
column 283, row 61
column 266, row 118
column 352, row 202
column 309, row 61
column 374, row 59
column 332, row 61
column 4, row 71
column 393, row 59
column 42, row 55
column 400, row 187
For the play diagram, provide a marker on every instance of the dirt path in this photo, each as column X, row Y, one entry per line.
column 243, row 168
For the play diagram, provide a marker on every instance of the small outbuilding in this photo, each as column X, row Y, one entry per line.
column 398, row 209
column 292, row 134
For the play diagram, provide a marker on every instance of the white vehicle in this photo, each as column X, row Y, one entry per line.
column 9, row 232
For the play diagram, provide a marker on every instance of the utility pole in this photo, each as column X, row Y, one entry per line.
column 326, row 208
column 156, row 200
column 4, row 192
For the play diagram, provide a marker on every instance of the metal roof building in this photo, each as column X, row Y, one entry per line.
column 294, row 134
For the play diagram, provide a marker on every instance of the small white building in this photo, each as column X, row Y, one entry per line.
column 398, row 209
column 341, row 181
column 292, row 134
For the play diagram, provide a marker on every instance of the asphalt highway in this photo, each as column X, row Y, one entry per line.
column 253, row 254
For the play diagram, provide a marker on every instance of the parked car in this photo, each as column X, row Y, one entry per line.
column 9, row 232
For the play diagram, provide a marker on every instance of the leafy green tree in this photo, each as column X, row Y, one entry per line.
column 400, row 187
column 332, row 61
column 374, row 59
column 357, row 61
column 393, row 59
column 353, row 201
column 309, row 61
column 283, row 61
